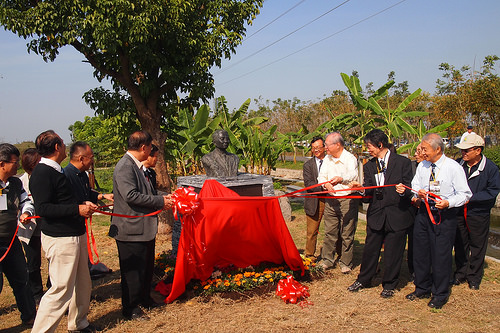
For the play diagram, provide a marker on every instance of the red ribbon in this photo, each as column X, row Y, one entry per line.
column 185, row 201
column 291, row 291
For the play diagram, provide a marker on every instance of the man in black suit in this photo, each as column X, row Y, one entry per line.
column 135, row 236
column 388, row 216
column 314, row 207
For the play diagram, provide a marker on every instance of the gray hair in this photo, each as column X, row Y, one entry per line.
column 6, row 152
column 434, row 140
column 337, row 138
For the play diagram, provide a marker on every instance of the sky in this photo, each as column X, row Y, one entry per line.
column 293, row 49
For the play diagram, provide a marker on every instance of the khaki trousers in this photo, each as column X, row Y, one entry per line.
column 71, row 284
column 341, row 217
column 313, row 223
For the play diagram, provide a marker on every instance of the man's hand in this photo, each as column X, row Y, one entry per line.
column 354, row 184
column 422, row 194
column 328, row 187
column 107, row 196
column 416, row 202
column 336, row 180
column 442, row 204
column 400, row 188
column 86, row 210
column 23, row 217
column 167, row 201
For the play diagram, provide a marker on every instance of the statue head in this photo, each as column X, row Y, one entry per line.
column 221, row 139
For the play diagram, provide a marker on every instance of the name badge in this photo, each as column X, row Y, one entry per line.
column 3, row 202
column 435, row 187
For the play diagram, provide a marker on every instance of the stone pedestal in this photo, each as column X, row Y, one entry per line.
column 245, row 184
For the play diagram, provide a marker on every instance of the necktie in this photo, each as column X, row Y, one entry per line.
column 146, row 174
column 433, row 175
column 382, row 166
column 320, row 164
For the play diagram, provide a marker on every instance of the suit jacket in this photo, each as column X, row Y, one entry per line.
column 393, row 209
column 133, row 196
column 310, row 175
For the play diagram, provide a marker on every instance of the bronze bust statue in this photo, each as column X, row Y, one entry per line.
column 219, row 163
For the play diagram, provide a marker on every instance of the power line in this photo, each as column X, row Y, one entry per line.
column 280, row 16
column 280, row 39
column 317, row 42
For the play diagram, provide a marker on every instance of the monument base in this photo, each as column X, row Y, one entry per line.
column 245, row 184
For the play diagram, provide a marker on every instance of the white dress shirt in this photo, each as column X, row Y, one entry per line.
column 451, row 177
column 346, row 166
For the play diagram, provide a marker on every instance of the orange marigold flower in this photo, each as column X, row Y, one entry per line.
column 226, row 283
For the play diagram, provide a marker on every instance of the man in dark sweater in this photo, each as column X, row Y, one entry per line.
column 63, row 240
column 13, row 198
column 471, row 238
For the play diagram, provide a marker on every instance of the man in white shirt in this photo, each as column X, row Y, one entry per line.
column 434, row 236
column 466, row 134
column 339, row 168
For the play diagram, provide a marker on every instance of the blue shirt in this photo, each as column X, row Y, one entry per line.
column 451, row 178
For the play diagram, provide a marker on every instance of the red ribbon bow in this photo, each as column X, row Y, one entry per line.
column 291, row 291
column 185, row 201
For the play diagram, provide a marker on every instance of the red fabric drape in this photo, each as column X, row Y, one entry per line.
column 229, row 229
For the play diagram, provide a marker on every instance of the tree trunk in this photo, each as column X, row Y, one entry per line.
column 150, row 119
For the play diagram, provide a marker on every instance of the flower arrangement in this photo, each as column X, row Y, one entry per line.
column 231, row 278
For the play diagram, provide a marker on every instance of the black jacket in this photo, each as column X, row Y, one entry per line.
column 484, row 182
column 391, row 208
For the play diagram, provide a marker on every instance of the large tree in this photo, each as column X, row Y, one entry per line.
column 152, row 51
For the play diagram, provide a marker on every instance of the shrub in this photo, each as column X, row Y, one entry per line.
column 493, row 153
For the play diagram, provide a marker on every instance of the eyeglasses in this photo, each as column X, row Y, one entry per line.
column 466, row 151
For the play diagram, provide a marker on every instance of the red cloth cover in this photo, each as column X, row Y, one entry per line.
column 229, row 229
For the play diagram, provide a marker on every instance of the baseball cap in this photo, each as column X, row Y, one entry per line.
column 471, row 140
column 469, row 127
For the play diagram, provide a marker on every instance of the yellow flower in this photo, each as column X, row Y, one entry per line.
column 206, row 287
column 226, row 283
column 271, row 280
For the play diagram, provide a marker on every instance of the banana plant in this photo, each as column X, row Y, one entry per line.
column 420, row 131
column 363, row 118
column 193, row 138
column 393, row 122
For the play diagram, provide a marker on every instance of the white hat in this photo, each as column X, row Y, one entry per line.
column 471, row 140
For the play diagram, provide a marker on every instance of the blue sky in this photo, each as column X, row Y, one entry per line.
column 412, row 39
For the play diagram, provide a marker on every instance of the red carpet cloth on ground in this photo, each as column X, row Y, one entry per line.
column 229, row 229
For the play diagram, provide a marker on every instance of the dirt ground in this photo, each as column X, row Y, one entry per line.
column 334, row 309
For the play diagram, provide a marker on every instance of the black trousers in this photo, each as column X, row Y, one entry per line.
column 394, row 246
column 33, row 252
column 16, row 270
column 471, row 243
column 136, row 268
column 432, row 252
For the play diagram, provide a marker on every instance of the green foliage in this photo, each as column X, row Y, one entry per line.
column 104, row 135
column 104, row 179
column 493, row 153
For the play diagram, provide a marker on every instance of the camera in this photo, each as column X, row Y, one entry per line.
column 379, row 195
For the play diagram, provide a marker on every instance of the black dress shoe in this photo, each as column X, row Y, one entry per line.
column 473, row 286
column 414, row 295
column 387, row 293
column 437, row 303
column 356, row 286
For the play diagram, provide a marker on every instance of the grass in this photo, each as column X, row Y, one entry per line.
column 334, row 309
